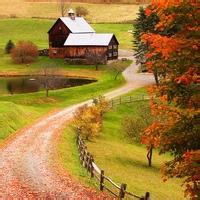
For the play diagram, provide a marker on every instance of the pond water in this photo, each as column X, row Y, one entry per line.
column 27, row 84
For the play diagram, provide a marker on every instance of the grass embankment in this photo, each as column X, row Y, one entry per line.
column 35, row 30
column 121, row 158
column 105, row 13
column 13, row 117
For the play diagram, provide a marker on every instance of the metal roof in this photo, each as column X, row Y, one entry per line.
column 91, row 39
column 77, row 25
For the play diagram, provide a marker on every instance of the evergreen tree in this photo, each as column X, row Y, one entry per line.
column 9, row 46
column 143, row 24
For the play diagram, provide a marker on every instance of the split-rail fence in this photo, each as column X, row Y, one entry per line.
column 104, row 182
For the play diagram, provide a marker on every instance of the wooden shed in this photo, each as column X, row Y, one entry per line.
column 73, row 37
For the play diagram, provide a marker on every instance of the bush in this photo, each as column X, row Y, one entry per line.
column 89, row 119
column 9, row 46
column 134, row 127
column 81, row 11
column 24, row 52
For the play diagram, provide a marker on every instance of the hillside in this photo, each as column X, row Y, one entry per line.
column 99, row 1
column 113, row 13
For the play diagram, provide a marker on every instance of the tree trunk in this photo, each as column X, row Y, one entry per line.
column 155, row 73
column 149, row 156
column 47, row 92
column 117, row 75
column 96, row 67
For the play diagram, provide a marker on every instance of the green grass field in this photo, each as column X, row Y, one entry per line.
column 122, row 159
column 36, row 30
column 98, row 13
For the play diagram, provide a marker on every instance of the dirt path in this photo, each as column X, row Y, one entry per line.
column 26, row 170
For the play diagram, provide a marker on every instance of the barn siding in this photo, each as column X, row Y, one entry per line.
column 58, row 34
column 75, row 52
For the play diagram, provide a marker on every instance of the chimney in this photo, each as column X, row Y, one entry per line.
column 71, row 14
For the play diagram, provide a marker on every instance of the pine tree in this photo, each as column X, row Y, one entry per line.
column 9, row 46
column 143, row 24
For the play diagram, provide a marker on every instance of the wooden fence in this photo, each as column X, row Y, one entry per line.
column 127, row 99
column 118, row 191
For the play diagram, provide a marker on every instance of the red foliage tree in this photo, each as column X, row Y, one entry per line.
column 176, row 107
column 24, row 52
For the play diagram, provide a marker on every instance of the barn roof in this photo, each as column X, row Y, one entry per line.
column 91, row 39
column 78, row 25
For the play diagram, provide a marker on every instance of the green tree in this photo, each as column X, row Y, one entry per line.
column 9, row 46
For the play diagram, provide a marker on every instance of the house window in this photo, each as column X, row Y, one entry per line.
column 115, row 54
column 114, row 46
column 110, row 47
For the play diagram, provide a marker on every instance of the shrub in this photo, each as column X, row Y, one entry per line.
column 9, row 46
column 24, row 52
column 81, row 11
column 89, row 119
column 134, row 127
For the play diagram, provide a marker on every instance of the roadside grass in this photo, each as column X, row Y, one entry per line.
column 122, row 159
column 36, row 30
column 68, row 157
column 13, row 117
column 105, row 13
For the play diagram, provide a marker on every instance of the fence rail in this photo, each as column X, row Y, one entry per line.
column 127, row 99
column 87, row 161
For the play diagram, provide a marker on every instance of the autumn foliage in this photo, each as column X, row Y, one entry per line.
column 24, row 52
column 176, row 57
column 89, row 119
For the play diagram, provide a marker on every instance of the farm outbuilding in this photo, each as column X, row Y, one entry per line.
column 72, row 37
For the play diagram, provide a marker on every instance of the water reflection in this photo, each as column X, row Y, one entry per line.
column 27, row 84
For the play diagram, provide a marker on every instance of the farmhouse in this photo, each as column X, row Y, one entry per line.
column 73, row 37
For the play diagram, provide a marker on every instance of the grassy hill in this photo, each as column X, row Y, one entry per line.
column 98, row 13
column 99, row 1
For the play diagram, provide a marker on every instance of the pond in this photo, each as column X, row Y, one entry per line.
column 28, row 84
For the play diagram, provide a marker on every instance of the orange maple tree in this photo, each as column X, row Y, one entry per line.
column 176, row 57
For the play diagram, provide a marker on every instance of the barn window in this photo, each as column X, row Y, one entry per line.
column 114, row 46
column 115, row 54
column 110, row 47
column 110, row 55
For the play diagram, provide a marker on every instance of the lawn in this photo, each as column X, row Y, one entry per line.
column 98, row 13
column 36, row 30
column 121, row 158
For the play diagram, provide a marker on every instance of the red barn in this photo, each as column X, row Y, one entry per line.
column 73, row 37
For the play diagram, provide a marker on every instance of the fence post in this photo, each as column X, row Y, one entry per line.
column 147, row 196
column 91, row 166
column 88, row 162
column 122, row 191
column 101, row 180
column 84, row 155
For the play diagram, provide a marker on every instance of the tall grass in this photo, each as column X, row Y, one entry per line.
column 113, row 13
